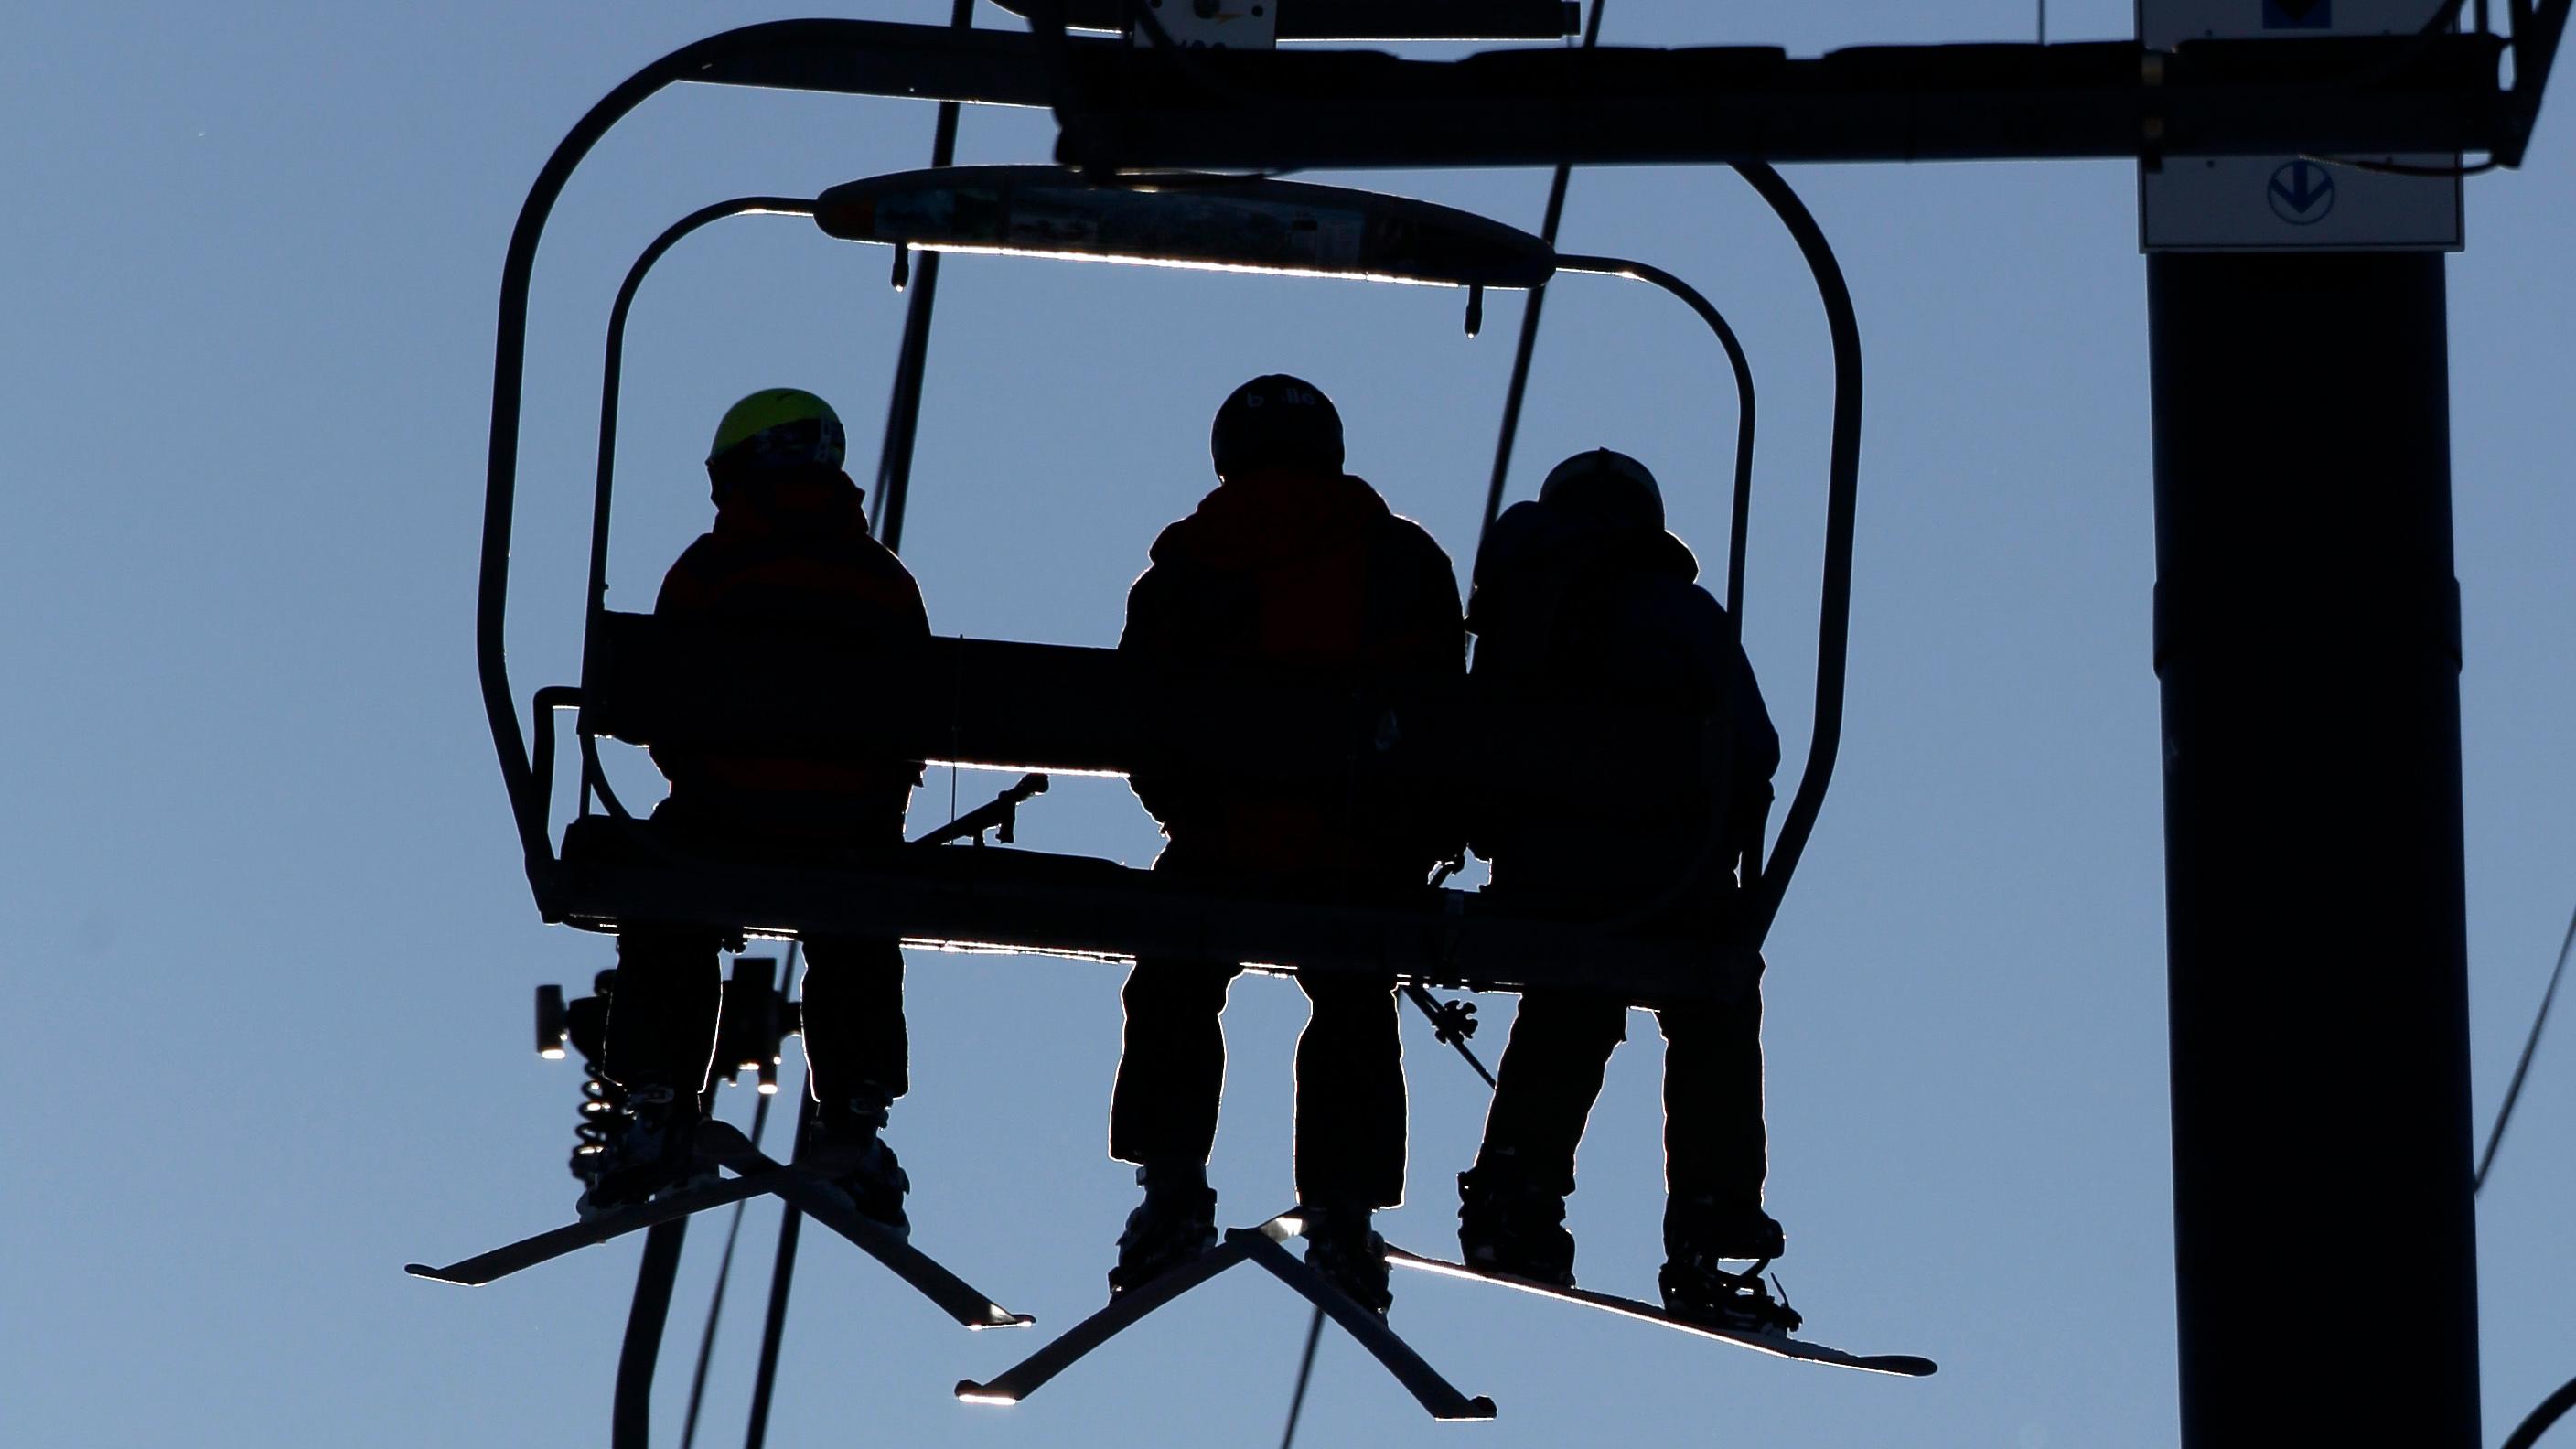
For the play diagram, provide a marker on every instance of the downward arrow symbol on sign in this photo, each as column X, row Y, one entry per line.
column 2302, row 187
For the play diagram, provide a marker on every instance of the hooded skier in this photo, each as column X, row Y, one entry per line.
column 1292, row 564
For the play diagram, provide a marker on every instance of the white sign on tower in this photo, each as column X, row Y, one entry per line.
column 2291, row 203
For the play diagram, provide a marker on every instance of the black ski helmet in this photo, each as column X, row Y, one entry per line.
column 1611, row 487
column 1276, row 421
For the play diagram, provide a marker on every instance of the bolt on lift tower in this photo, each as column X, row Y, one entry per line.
column 2308, row 648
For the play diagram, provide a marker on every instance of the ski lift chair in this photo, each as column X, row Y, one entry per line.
column 1003, row 704
column 1000, row 696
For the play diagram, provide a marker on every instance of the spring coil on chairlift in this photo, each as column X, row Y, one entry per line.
column 603, row 1102
column 601, row 1120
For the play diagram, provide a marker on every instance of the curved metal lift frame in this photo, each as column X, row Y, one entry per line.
column 866, row 58
column 1465, row 942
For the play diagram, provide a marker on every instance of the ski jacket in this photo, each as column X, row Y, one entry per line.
column 810, row 569
column 1310, row 571
column 1565, row 607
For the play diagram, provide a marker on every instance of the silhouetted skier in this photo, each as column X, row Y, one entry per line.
column 1290, row 563
column 789, row 554
column 1582, row 594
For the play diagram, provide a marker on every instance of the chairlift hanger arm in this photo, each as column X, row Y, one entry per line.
column 1624, row 106
column 1833, row 623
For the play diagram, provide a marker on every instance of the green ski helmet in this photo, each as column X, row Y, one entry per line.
column 779, row 427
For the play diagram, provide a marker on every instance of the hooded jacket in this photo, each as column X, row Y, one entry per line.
column 1567, row 606
column 801, row 563
column 1310, row 571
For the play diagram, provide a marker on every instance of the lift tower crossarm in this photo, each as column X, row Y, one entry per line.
column 1622, row 106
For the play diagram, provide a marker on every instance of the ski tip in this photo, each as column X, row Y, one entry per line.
column 970, row 1392
column 996, row 1316
column 437, row 1275
column 1907, row 1364
column 1478, row 1407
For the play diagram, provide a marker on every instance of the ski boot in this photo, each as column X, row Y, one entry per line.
column 1699, row 1233
column 844, row 1149
column 1509, row 1224
column 1341, row 1246
column 1173, row 1225
column 649, row 1149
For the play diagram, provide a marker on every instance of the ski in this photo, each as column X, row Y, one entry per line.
column 501, row 1262
column 818, row 1200
column 1434, row 1393
column 1260, row 1245
column 1777, row 1345
column 1067, row 1348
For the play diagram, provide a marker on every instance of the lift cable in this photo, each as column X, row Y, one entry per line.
column 1305, row 1371
column 912, row 356
column 774, row 1326
column 2522, row 1068
column 1529, row 322
column 2551, row 1410
column 733, row 1231
column 2555, row 1407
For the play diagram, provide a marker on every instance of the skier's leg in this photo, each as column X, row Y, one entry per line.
column 1171, row 1069
column 659, row 1039
column 855, row 1043
column 1714, row 1166
column 857, row 1061
column 1350, row 1094
column 1350, row 1128
column 1715, row 1151
column 1548, row 1080
column 1163, row 1111
column 1511, row 1204
column 661, row 1031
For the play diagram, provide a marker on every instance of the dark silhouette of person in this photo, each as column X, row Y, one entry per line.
column 1296, row 567
column 790, row 555
column 1584, row 595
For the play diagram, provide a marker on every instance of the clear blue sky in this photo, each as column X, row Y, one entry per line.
column 271, row 949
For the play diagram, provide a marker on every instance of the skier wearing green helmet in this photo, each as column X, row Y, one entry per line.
column 790, row 553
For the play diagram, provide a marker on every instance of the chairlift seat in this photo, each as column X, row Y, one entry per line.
column 994, row 899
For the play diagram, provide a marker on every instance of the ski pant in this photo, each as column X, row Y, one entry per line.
column 1551, row 1075
column 1350, row 1075
column 669, row 993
